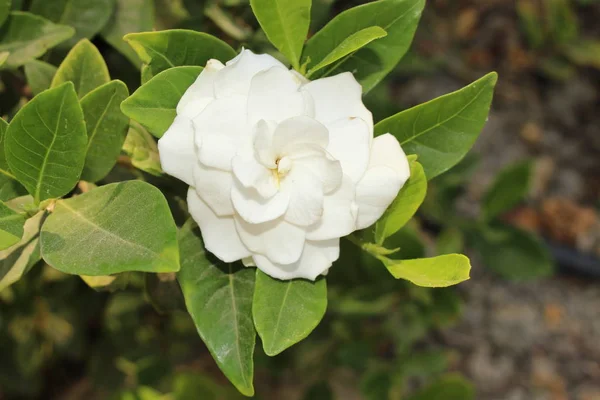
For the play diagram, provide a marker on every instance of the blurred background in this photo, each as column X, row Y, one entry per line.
column 524, row 206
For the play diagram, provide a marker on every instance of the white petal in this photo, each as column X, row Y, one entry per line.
column 306, row 197
column 315, row 260
column 201, row 92
column 297, row 131
column 374, row 193
column 277, row 240
column 386, row 151
column 274, row 95
column 349, row 142
column 218, row 233
column 256, row 209
column 235, row 78
column 263, row 139
column 214, row 186
column 320, row 164
column 252, row 174
column 339, row 214
column 339, row 97
column 176, row 150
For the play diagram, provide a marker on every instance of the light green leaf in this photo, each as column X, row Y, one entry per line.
column 4, row 10
column 86, row 16
column 26, row 36
column 9, row 186
column 39, row 75
column 443, row 130
column 157, row 112
column 286, row 25
column 286, row 312
column 510, row 187
column 106, row 128
column 84, row 66
column 351, row 44
column 218, row 296
column 17, row 259
column 177, row 47
column 141, row 147
column 399, row 18
column 3, row 57
column 45, row 143
column 11, row 226
column 405, row 205
column 449, row 387
column 440, row 271
column 120, row 227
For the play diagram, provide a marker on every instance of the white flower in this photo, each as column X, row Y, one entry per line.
column 279, row 168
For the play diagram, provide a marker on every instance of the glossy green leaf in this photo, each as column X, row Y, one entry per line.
column 16, row 260
column 45, row 143
column 107, row 128
column 84, row 66
column 86, row 16
column 450, row 387
column 399, row 18
column 141, row 147
column 4, row 10
column 286, row 25
column 157, row 112
column 9, row 186
column 26, row 36
column 218, row 296
column 286, row 312
column 440, row 271
column 128, row 16
column 39, row 75
column 510, row 187
column 443, row 130
column 177, row 47
column 405, row 205
column 120, row 227
column 351, row 44
column 11, row 226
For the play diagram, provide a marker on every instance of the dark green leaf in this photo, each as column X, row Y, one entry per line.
column 438, row 271
column 142, row 148
column 443, row 130
column 450, row 387
column 4, row 10
column 286, row 25
column 86, row 16
column 286, row 312
column 106, row 128
column 399, row 18
column 11, row 226
column 154, row 104
column 26, row 36
column 218, row 296
column 45, row 143
column 510, row 187
column 115, row 228
column 39, row 75
column 167, row 49
column 84, row 66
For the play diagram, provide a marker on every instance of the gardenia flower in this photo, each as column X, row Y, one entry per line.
column 279, row 167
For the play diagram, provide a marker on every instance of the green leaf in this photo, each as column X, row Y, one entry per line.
column 405, row 205
column 120, row 227
column 45, row 143
column 351, row 44
column 218, row 296
column 584, row 52
column 129, row 16
column 449, row 387
column 443, row 130
column 285, row 24
column 440, row 271
column 4, row 10
column 26, row 37
column 9, row 187
column 11, row 226
column 106, row 128
column 3, row 57
column 512, row 253
column 39, row 75
column 141, row 147
column 86, row 16
column 531, row 22
column 85, row 67
column 286, row 312
column 563, row 24
column 17, row 259
column 167, row 49
column 399, row 18
column 154, row 104
column 510, row 187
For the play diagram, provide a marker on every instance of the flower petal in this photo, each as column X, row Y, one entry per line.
column 339, row 214
column 349, row 142
column 214, row 187
column 277, row 240
column 252, row 174
column 201, row 92
column 386, row 151
column 319, row 163
column 254, row 208
column 176, row 150
column 316, row 259
column 297, row 131
column 218, row 233
column 306, row 197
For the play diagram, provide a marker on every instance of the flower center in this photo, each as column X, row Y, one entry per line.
column 283, row 165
